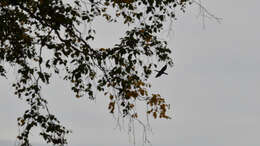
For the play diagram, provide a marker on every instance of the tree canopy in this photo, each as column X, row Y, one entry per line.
column 44, row 37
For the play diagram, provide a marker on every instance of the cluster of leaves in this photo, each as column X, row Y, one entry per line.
column 42, row 37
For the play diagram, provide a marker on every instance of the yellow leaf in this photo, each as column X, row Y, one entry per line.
column 102, row 49
column 142, row 30
column 78, row 96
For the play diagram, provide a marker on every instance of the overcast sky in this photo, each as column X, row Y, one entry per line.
column 213, row 88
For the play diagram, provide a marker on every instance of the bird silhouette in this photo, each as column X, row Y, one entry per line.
column 161, row 71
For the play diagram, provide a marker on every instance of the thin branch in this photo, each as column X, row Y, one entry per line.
column 205, row 12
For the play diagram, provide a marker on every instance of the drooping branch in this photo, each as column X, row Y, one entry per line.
column 121, row 72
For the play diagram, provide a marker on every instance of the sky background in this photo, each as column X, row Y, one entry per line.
column 213, row 88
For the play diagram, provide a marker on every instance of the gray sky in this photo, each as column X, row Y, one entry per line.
column 213, row 88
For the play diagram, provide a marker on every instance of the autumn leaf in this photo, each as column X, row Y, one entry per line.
column 148, row 39
column 111, row 107
column 141, row 91
column 111, row 97
column 131, row 106
column 78, row 96
column 102, row 49
column 135, row 115
column 155, row 115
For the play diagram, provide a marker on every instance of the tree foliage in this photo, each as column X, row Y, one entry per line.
column 43, row 38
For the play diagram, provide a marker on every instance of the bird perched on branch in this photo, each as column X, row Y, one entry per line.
column 161, row 71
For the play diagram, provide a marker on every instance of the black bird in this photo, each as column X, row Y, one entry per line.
column 161, row 71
